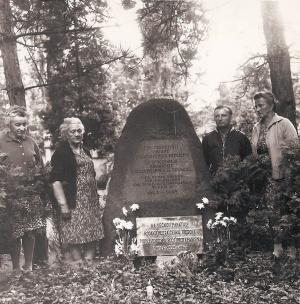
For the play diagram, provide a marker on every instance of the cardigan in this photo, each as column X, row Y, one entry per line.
column 64, row 169
column 280, row 133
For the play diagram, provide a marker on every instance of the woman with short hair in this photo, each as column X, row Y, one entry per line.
column 24, row 203
column 75, row 190
column 269, row 137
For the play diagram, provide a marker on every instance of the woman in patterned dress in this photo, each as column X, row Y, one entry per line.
column 75, row 190
column 24, row 201
column 269, row 136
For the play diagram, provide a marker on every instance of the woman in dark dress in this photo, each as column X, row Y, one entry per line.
column 269, row 136
column 75, row 190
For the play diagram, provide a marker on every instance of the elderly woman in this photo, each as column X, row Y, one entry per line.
column 269, row 136
column 75, row 190
column 24, row 201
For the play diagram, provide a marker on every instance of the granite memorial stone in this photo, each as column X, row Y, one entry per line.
column 159, row 165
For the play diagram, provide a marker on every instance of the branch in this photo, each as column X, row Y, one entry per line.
column 149, row 10
column 39, row 33
column 264, row 56
column 74, row 77
column 236, row 80
column 38, row 45
column 246, row 76
column 34, row 62
column 185, row 72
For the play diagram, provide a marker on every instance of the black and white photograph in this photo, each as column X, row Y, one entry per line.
column 149, row 151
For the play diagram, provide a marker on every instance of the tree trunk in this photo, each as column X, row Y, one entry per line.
column 279, row 60
column 8, row 46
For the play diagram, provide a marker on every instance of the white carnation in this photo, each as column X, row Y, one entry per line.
column 121, row 225
column 200, row 206
column 205, row 200
column 233, row 219
column 209, row 224
column 134, row 207
column 125, row 211
column 218, row 215
column 223, row 223
column 128, row 225
column 116, row 221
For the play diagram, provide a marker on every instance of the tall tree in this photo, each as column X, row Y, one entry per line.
column 76, row 55
column 8, row 47
column 278, row 59
column 171, row 32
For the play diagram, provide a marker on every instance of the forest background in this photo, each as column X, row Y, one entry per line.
column 97, row 60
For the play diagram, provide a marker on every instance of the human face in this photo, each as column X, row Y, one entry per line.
column 18, row 126
column 222, row 118
column 75, row 133
column 263, row 108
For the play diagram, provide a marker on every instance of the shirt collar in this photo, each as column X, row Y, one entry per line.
column 275, row 118
column 10, row 138
column 229, row 130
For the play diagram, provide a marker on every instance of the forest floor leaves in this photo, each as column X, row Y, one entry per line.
column 253, row 279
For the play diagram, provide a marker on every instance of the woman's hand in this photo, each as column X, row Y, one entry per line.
column 61, row 200
column 65, row 212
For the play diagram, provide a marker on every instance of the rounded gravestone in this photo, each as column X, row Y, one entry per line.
column 159, row 165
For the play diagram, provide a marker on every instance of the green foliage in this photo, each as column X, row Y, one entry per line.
column 125, row 91
column 128, row 4
column 69, row 54
column 297, row 96
column 292, row 193
column 240, row 185
column 221, row 227
column 172, row 31
column 125, row 233
column 253, row 76
column 240, row 188
column 3, row 103
column 75, row 70
column 112, row 281
column 242, row 106
column 168, row 25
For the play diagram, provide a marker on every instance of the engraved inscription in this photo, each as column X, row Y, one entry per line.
column 169, row 236
column 162, row 169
